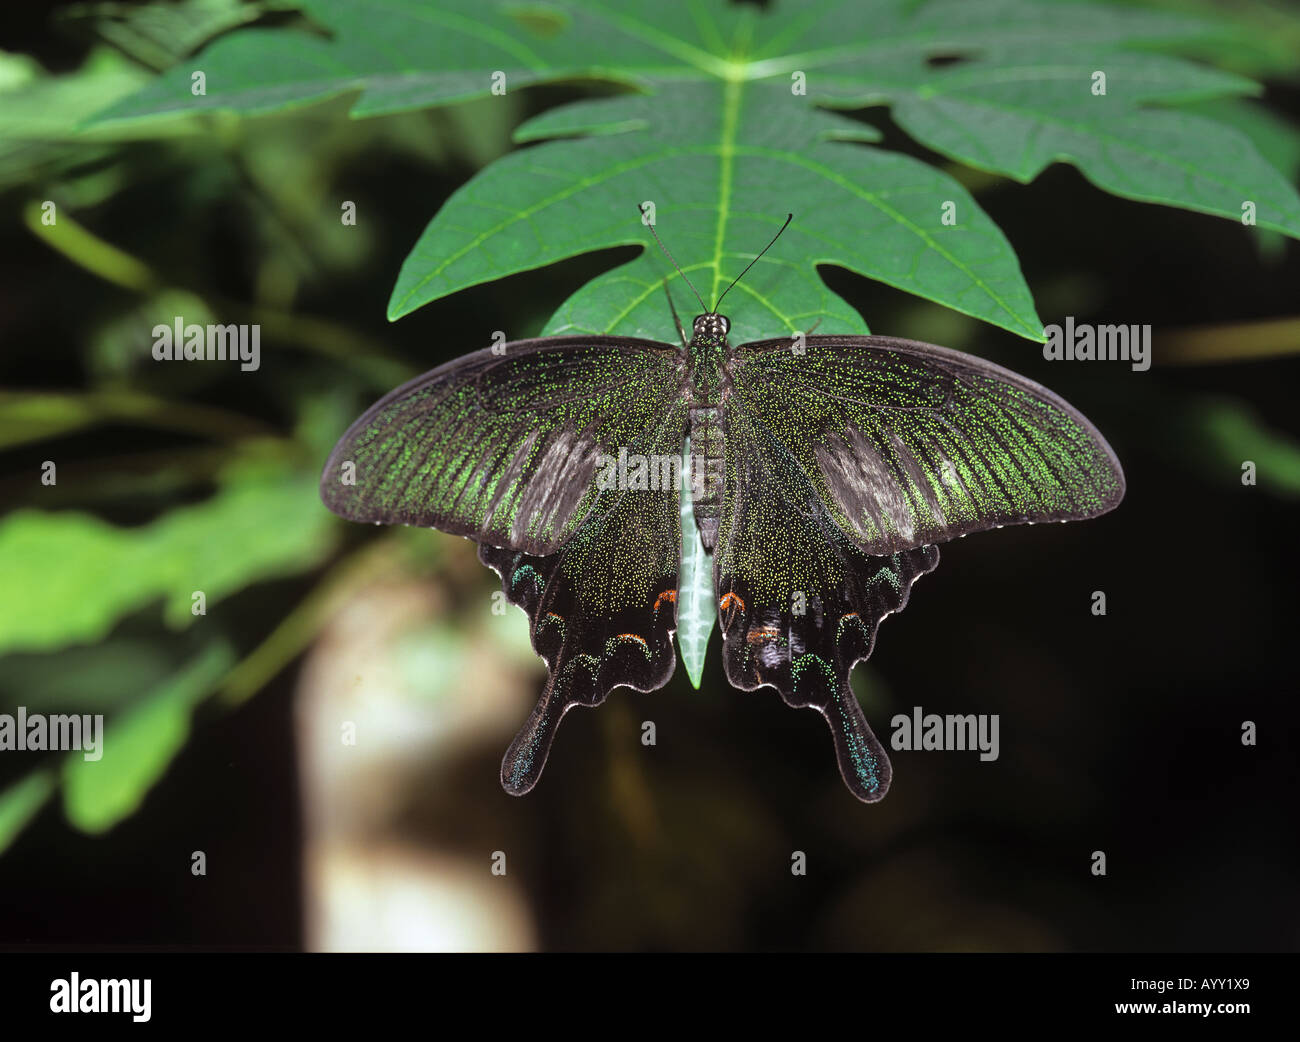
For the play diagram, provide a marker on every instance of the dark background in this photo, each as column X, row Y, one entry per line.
column 1118, row 733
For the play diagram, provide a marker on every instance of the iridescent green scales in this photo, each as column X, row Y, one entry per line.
column 507, row 445
column 828, row 466
column 907, row 443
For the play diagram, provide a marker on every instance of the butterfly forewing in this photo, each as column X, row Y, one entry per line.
column 908, row 444
column 503, row 445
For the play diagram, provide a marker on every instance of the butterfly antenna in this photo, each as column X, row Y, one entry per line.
column 673, row 308
column 674, row 262
column 788, row 218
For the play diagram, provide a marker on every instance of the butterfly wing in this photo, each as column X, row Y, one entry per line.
column 602, row 610
column 503, row 445
column 908, row 444
column 799, row 601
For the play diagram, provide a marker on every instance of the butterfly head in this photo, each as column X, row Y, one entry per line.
column 710, row 329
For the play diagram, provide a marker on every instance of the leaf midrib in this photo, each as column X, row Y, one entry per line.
column 697, row 150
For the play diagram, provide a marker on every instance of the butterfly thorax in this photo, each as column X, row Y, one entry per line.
column 708, row 388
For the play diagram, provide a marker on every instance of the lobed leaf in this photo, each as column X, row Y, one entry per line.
column 725, row 136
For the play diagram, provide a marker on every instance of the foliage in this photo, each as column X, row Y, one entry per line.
column 177, row 479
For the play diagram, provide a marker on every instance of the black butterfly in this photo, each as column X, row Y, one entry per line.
column 821, row 471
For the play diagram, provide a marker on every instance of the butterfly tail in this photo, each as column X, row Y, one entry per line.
column 863, row 762
column 522, row 765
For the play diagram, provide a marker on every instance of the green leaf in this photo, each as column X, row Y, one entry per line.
column 725, row 139
column 724, row 164
column 1253, row 37
column 20, row 802
column 405, row 54
column 1232, row 433
column 159, row 33
column 697, row 606
column 96, row 678
column 40, row 114
column 138, row 746
column 78, row 575
column 37, row 106
column 1276, row 138
column 1017, row 115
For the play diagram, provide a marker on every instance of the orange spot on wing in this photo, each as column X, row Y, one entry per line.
column 667, row 595
column 728, row 599
column 632, row 636
column 758, row 636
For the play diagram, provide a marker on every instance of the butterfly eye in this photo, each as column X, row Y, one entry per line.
column 725, row 324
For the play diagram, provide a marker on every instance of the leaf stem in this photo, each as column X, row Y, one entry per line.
column 87, row 250
column 1230, row 342
column 30, row 416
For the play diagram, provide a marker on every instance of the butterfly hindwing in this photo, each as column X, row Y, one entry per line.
column 601, row 611
column 908, row 444
column 798, row 600
column 503, row 445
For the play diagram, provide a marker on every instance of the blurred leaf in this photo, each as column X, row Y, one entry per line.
column 121, row 343
column 20, row 802
column 1024, row 112
column 1234, row 434
column 27, row 416
column 1276, row 138
column 158, row 34
column 138, row 746
column 1252, row 37
column 79, row 574
column 416, row 54
column 40, row 114
column 40, row 107
column 1229, row 342
column 98, row 678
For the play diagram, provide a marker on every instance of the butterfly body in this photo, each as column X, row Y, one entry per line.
column 709, row 387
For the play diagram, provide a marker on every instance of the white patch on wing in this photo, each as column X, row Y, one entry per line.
column 865, row 488
column 561, row 474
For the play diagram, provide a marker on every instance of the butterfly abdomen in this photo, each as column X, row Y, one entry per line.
column 708, row 464
column 710, row 384
column 708, row 453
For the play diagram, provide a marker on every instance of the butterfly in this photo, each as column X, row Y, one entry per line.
column 791, row 490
